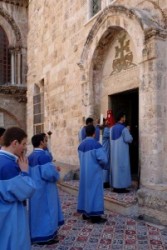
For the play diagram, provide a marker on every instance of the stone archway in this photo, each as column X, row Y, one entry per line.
column 14, row 26
column 114, row 59
column 17, row 48
column 112, row 20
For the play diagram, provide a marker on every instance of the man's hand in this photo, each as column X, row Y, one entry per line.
column 23, row 163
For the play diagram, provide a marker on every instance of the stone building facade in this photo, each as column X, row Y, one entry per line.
column 13, row 63
column 85, row 57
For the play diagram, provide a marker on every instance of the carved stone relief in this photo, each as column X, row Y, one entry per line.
column 123, row 54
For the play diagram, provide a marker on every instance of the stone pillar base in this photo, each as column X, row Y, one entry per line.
column 153, row 205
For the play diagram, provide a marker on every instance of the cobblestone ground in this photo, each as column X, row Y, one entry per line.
column 117, row 233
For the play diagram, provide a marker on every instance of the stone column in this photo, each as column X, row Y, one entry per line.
column 18, row 67
column 152, row 195
column 152, row 113
column 12, row 66
column 24, row 66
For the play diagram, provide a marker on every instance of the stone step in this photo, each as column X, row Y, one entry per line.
column 125, row 204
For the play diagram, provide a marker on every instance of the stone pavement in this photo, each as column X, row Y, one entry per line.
column 118, row 233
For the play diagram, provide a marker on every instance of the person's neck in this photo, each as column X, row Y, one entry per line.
column 39, row 147
column 8, row 149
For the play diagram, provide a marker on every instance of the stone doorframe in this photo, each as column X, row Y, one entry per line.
column 150, row 41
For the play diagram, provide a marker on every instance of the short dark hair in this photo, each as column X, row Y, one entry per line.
column 89, row 120
column 119, row 115
column 13, row 133
column 36, row 139
column 2, row 131
column 90, row 130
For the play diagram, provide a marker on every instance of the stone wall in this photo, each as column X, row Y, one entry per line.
column 55, row 42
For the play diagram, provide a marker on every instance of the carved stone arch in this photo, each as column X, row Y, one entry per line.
column 8, row 31
column 133, row 21
column 104, row 16
column 14, row 26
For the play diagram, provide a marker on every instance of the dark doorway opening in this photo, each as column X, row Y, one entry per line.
column 128, row 101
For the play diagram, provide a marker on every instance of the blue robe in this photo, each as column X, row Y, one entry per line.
column 92, row 161
column 120, row 162
column 106, row 145
column 15, row 188
column 44, row 207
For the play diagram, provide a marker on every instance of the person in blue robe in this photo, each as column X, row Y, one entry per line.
column 106, row 146
column 92, row 159
column 15, row 187
column 120, row 160
column 45, row 211
column 82, row 132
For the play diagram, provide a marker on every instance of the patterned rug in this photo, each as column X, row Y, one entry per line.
column 126, row 198
column 117, row 233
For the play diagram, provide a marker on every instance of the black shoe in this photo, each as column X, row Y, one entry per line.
column 50, row 242
column 125, row 191
column 85, row 217
column 98, row 219
column 120, row 190
column 106, row 185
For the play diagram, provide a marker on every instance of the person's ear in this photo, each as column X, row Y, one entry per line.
column 15, row 142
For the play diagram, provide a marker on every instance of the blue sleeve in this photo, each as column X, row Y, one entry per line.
column 127, row 137
column 16, row 189
column 9, row 171
column 49, row 173
column 101, row 157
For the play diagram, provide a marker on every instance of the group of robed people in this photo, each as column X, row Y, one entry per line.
column 33, row 179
